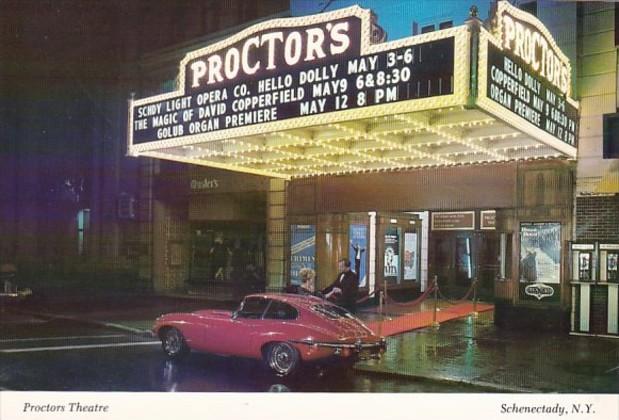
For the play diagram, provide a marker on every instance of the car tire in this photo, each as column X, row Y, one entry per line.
column 173, row 344
column 282, row 358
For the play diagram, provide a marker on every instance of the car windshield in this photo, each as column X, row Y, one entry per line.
column 331, row 311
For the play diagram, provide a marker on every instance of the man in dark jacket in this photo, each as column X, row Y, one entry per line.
column 345, row 288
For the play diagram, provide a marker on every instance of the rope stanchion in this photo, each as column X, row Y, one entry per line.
column 435, row 323
column 475, row 313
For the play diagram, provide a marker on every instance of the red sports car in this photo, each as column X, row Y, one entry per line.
column 281, row 329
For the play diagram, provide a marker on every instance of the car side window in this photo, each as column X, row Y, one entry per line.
column 253, row 308
column 281, row 310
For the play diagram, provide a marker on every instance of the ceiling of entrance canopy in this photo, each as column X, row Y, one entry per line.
column 441, row 137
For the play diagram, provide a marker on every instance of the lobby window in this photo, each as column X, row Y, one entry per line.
column 610, row 148
column 83, row 225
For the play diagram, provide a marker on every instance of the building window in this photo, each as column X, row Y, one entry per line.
column 445, row 25
column 611, row 136
column 83, row 225
column 530, row 7
column 427, row 28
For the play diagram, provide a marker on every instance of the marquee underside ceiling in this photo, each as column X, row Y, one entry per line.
column 441, row 137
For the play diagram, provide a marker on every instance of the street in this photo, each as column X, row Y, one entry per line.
column 61, row 355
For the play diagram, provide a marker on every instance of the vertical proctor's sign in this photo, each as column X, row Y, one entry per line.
column 529, row 76
column 291, row 69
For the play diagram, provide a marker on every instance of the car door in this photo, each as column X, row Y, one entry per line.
column 245, row 326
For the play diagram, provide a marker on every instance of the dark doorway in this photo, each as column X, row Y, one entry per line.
column 457, row 258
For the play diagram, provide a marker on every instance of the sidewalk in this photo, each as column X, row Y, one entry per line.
column 463, row 349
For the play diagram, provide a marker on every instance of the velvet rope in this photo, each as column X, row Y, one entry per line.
column 415, row 302
column 454, row 301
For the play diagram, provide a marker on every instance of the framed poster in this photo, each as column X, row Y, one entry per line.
column 540, row 261
column 358, row 236
column 302, row 250
column 584, row 266
column 410, row 256
column 391, row 262
column 611, row 267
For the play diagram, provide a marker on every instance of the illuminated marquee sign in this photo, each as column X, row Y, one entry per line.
column 526, row 38
column 289, row 69
column 527, row 74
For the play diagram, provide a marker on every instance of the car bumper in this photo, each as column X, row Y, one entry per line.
column 358, row 350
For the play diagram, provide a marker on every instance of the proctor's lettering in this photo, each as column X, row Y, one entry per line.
column 305, row 45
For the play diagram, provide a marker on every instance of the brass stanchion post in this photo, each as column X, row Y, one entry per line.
column 475, row 313
column 435, row 323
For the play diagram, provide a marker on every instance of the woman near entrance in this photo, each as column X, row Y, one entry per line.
column 307, row 286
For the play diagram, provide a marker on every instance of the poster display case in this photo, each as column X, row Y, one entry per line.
column 584, row 261
column 609, row 258
column 595, row 288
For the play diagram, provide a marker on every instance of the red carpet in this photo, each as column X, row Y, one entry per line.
column 418, row 320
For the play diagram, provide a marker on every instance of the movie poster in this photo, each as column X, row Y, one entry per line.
column 392, row 254
column 540, row 261
column 358, row 250
column 302, row 250
column 410, row 256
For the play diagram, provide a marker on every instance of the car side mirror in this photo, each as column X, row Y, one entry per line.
column 235, row 314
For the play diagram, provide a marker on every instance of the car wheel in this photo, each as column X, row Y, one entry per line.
column 173, row 343
column 282, row 358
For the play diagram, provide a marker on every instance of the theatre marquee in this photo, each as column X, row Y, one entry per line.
column 316, row 96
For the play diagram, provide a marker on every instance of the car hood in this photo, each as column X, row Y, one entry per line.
column 213, row 313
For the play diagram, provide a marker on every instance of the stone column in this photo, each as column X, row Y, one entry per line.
column 277, row 235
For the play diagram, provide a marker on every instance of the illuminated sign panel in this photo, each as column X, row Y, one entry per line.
column 513, row 85
column 523, row 71
column 283, row 73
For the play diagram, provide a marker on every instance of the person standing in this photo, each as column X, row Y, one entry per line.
column 219, row 254
column 345, row 288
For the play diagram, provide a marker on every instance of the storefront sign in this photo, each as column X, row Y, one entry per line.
column 293, row 68
column 540, row 261
column 453, row 220
column 392, row 254
column 487, row 220
column 410, row 256
column 359, row 245
column 204, row 184
column 583, row 246
column 302, row 250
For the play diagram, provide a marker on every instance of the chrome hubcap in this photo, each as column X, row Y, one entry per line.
column 282, row 358
column 173, row 342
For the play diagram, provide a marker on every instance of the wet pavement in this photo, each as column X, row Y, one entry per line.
column 472, row 350
column 469, row 354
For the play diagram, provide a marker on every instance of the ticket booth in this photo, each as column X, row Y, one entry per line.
column 595, row 288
